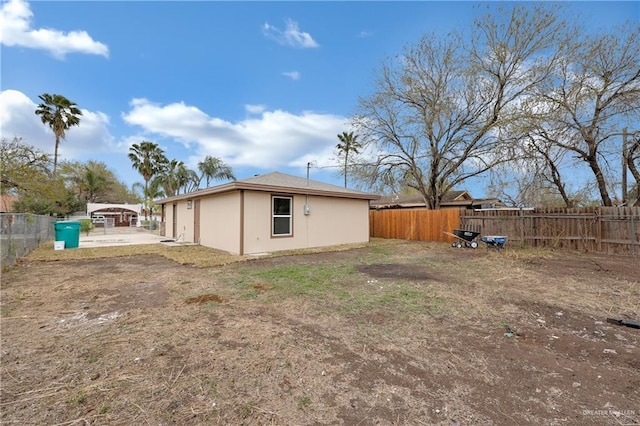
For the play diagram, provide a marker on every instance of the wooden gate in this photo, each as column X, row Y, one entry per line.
column 414, row 224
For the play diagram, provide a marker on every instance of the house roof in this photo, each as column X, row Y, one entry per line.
column 416, row 200
column 277, row 182
column 6, row 202
column 450, row 199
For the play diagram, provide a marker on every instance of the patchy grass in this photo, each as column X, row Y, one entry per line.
column 387, row 332
column 337, row 286
column 204, row 298
column 198, row 256
column 202, row 257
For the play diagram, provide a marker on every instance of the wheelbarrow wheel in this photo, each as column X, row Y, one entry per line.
column 474, row 244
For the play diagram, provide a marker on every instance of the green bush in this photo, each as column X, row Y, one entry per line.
column 151, row 225
column 86, row 226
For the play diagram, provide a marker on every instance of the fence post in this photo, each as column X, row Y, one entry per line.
column 37, row 231
column 599, row 231
column 532, row 239
column 522, row 241
column 633, row 233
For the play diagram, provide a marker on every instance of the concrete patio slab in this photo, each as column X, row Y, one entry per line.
column 95, row 239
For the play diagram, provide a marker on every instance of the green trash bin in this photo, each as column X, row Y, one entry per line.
column 69, row 232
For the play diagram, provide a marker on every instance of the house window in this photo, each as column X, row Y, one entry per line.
column 281, row 208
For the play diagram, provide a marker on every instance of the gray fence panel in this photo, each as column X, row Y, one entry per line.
column 20, row 233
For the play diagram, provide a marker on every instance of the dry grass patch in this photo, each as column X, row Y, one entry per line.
column 390, row 332
column 195, row 255
column 204, row 298
column 199, row 256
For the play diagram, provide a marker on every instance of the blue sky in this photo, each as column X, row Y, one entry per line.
column 264, row 86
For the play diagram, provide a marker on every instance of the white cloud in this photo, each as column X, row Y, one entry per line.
column 16, row 30
column 293, row 75
column 265, row 139
column 270, row 140
column 18, row 119
column 290, row 36
column 364, row 34
column 255, row 109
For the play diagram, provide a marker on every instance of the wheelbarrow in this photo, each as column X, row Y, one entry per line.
column 495, row 241
column 465, row 238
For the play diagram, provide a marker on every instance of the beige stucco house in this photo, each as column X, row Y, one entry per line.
column 268, row 213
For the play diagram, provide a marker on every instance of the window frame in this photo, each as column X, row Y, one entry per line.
column 274, row 216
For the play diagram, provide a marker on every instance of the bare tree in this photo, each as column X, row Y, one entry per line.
column 633, row 163
column 538, row 168
column 589, row 97
column 437, row 112
column 532, row 174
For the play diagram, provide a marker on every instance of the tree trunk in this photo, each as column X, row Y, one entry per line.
column 633, row 154
column 602, row 184
column 346, row 160
column 146, row 199
column 556, row 178
column 55, row 155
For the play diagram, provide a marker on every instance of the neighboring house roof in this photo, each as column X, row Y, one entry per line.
column 457, row 196
column 416, row 200
column 96, row 207
column 277, row 182
column 6, row 202
column 450, row 199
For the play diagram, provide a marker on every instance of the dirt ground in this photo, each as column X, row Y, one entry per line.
column 404, row 334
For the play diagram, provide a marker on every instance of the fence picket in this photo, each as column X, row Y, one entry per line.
column 591, row 229
column 414, row 224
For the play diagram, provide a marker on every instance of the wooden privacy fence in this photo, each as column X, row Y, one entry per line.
column 421, row 225
column 592, row 229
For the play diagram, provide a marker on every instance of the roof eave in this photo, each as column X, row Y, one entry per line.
column 200, row 193
column 307, row 191
column 236, row 186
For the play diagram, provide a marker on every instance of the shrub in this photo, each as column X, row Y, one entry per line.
column 151, row 225
column 86, row 226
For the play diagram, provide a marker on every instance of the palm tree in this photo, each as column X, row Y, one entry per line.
column 93, row 184
column 188, row 179
column 148, row 159
column 152, row 192
column 60, row 114
column 173, row 176
column 349, row 144
column 214, row 168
